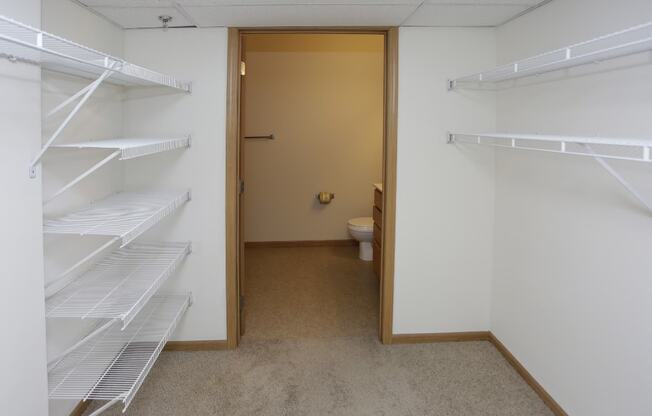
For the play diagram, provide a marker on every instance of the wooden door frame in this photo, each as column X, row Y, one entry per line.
column 233, row 144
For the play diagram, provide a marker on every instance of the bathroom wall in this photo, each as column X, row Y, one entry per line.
column 572, row 283
column 322, row 98
column 444, row 199
column 23, row 377
column 100, row 117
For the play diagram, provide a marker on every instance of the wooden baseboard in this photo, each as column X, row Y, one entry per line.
column 220, row 345
column 440, row 337
column 485, row 336
column 529, row 379
column 80, row 408
column 208, row 345
column 307, row 243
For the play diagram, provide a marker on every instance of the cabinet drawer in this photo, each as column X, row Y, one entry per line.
column 376, row 264
column 378, row 217
column 378, row 199
column 378, row 237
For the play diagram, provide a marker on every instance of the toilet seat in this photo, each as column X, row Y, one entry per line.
column 361, row 224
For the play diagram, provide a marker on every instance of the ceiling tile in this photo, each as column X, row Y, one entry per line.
column 314, row 12
column 300, row 15
column 292, row 2
column 140, row 17
column 528, row 3
column 128, row 3
column 170, row 3
column 464, row 15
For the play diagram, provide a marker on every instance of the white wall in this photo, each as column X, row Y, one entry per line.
column 198, row 55
column 322, row 97
column 23, row 378
column 101, row 117
column 444, row 213
column 572, row 283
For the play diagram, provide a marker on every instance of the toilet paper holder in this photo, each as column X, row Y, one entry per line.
column 325, row 197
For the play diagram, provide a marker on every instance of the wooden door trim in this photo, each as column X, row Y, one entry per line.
column 389, row 169
column 232, row 188
column 389, row 187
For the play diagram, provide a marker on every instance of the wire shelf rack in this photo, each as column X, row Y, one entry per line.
column 119, row 285
column 598, row 148
column 20, row 42
column 113, row 365
column 123, row 149
column 630, row 41
column 125, row 215
column 131, row 148
column 630, row 149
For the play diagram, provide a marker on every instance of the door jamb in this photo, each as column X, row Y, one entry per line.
column 233, row 144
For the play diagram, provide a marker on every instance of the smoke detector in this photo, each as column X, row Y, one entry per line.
column 165, row 19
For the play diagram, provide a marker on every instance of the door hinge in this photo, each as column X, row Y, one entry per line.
column 242, row 187
column 242, row 302
column 243, row 68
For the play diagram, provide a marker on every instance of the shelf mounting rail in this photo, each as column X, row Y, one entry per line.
column 626, row 42
column 598, row 148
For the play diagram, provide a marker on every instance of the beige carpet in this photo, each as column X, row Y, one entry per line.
column 311, row 348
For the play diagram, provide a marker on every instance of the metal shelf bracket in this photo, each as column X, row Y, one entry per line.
column 85, row 94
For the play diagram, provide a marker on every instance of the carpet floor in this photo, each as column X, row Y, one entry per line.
column 310, row 348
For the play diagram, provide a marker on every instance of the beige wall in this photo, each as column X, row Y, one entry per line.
column 322, row 98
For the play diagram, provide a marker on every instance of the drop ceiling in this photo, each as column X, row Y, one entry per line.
column 131, row 14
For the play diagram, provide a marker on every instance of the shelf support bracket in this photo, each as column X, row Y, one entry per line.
column 618, row 177
column 86, row 95
column 56, row 285
column 53, row 362
column 83, row 175
column 107, row 405
column 69, row 100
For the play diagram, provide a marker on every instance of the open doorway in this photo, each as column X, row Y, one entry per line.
column 315, row 113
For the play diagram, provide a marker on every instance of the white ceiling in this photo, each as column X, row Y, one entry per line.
column 131, row 14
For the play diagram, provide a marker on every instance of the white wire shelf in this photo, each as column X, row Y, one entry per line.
column 123, row 149
column 120, row 285
column 614, row 45
column 20, row 42
column 113, row 365
column 131, row 148
column 631, row 149
column 598, row 148
column 124, row 215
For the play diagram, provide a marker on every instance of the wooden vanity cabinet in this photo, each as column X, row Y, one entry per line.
column 378, row 228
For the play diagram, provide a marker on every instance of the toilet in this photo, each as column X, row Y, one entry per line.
column 362, row 229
